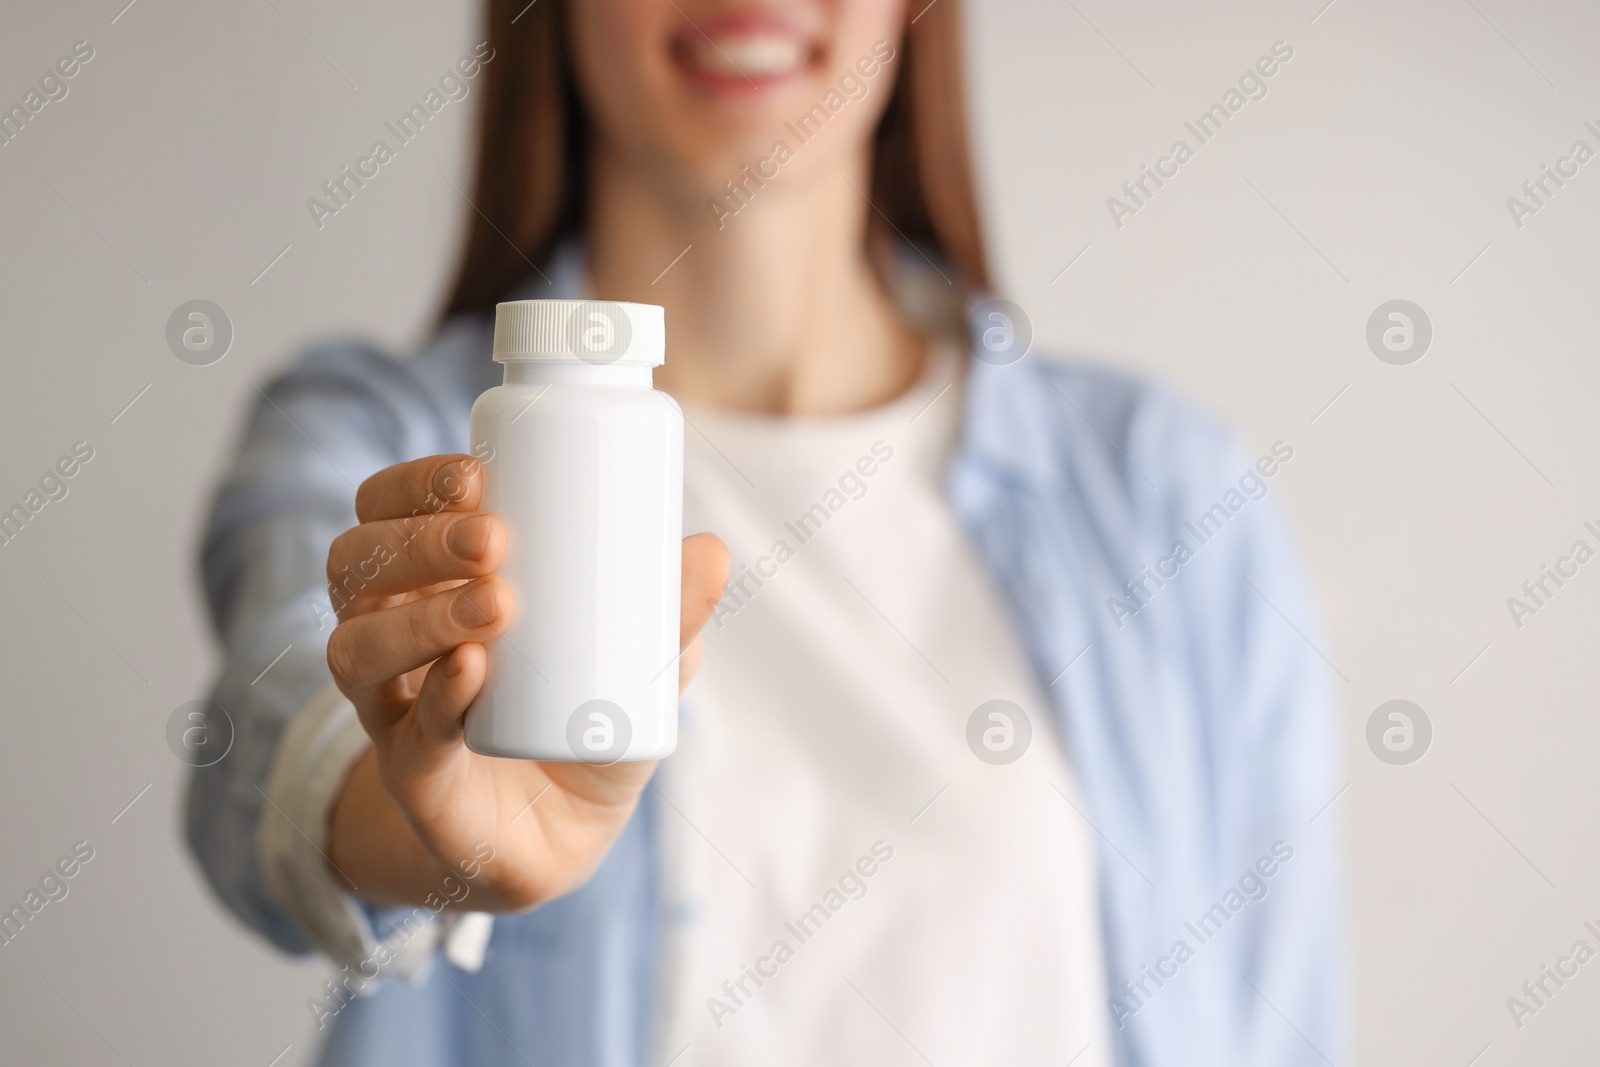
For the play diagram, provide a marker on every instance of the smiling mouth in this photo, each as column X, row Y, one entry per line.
column 739, row 55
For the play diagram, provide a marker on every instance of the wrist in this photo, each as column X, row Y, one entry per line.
column 373, row 848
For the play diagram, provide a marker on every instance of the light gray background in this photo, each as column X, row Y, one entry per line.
column 1377, row 167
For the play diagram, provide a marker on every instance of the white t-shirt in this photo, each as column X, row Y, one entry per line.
column 847, row 881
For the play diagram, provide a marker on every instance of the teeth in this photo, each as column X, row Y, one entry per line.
column 752, row 56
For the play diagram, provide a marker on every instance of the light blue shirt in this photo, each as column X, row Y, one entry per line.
column 1193, row 702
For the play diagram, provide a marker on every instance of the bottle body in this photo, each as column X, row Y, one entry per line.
column 584, row 465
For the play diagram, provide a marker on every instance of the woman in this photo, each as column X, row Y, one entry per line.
column 979, row 766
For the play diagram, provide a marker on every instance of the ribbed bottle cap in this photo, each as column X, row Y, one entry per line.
column 595, row 331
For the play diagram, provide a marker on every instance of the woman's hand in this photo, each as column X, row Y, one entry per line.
column 417, row 596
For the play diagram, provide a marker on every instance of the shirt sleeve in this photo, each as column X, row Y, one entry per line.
column 1264, row 672
column 257, row 817
column 318, row 749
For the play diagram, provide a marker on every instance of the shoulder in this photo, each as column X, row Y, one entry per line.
column 1075, row 422
column 1133, row 482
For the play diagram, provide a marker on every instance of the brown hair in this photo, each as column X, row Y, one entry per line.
column 533, row 148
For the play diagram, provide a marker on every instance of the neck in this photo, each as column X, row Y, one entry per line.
column 778, row 311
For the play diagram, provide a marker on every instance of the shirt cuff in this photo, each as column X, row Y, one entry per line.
column 308, row 771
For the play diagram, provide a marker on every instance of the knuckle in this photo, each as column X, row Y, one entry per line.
column 432, row 547
column 421, row 530
column 424, row 624
column 380, row 548
column 394, row 543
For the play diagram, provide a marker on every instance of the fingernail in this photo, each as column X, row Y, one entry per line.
column 452, row 480
column 475, row 606
column 469, row 538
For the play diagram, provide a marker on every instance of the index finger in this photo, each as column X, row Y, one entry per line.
column 421, row 487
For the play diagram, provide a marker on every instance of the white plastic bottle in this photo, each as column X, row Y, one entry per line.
column 583, row 462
